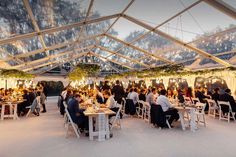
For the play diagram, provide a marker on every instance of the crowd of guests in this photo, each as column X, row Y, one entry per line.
column 33, row 97
column 155, row 96
column 74, row 98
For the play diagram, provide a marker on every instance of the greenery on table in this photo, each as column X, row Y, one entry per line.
column 14, row 73
column 84, row 70
column 167, row 70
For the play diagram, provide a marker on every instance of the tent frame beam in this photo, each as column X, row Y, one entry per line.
column 35, row 25
column 56, row 29
column 139, row 49
column 122, row 56
column 25, row 65
column 223, row 7
column 167, row 36
column 49, row 63
column 111, row 60
column 161, row 24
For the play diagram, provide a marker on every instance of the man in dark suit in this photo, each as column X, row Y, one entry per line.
column 118, row 92
column 201, row 96
column 216, row 96
column 227, row 97
column 76, row 113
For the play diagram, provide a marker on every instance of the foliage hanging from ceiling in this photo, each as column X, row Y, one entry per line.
column 14, row 73
column 167, row 70
column 84, row 70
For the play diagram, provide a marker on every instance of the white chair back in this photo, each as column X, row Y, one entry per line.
column 201, row 107
column 70, row 122
column 224, row 103
column 226, row 115
column 117, row 118
column 195, row 100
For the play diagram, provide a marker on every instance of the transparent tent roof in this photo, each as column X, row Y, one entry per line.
column 38, row 35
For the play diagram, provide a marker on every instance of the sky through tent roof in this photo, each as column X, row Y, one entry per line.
column 128, row 32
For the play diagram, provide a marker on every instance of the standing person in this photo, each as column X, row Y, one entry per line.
column 42, row 101
column 167, row 107
column 45, row 89
column 106, row 86
column 118, row 92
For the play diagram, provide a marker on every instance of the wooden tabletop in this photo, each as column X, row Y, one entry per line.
column 93, row 112
column 184, row 108
column 12, row 102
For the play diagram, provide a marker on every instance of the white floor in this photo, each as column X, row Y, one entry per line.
column 44, row 136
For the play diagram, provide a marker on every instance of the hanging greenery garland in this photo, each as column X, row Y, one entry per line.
column 84, row 70
column 14, row 73
column 167, row 70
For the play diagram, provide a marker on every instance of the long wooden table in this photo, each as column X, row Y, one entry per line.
column 190, row 111
column 93, row 114
column 13, row 109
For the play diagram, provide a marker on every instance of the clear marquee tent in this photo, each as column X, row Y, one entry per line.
column 38, row 35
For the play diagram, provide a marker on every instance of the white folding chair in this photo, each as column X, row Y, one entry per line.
column 212, row 107
column 200, row 112
column 139, row 109
column 29, row 107
column 226, row 115
column 116, row 120
column 71, row 123
column 65, row 116
column 195, row 100
column 147, row 112
column 123, row 103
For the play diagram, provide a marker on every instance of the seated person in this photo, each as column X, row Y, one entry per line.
column 32, row 95
column 227, row 97
column 111, row 103
column 76, row 113
column 151, row 97
column 134, row 96
column 216, row 96
column 142, row 95
column 166, row 106
column 21, row 107
column 35, row 107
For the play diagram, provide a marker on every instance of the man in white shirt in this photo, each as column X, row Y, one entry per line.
column 167, row 107
column 134, row 96
column 111, row 103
